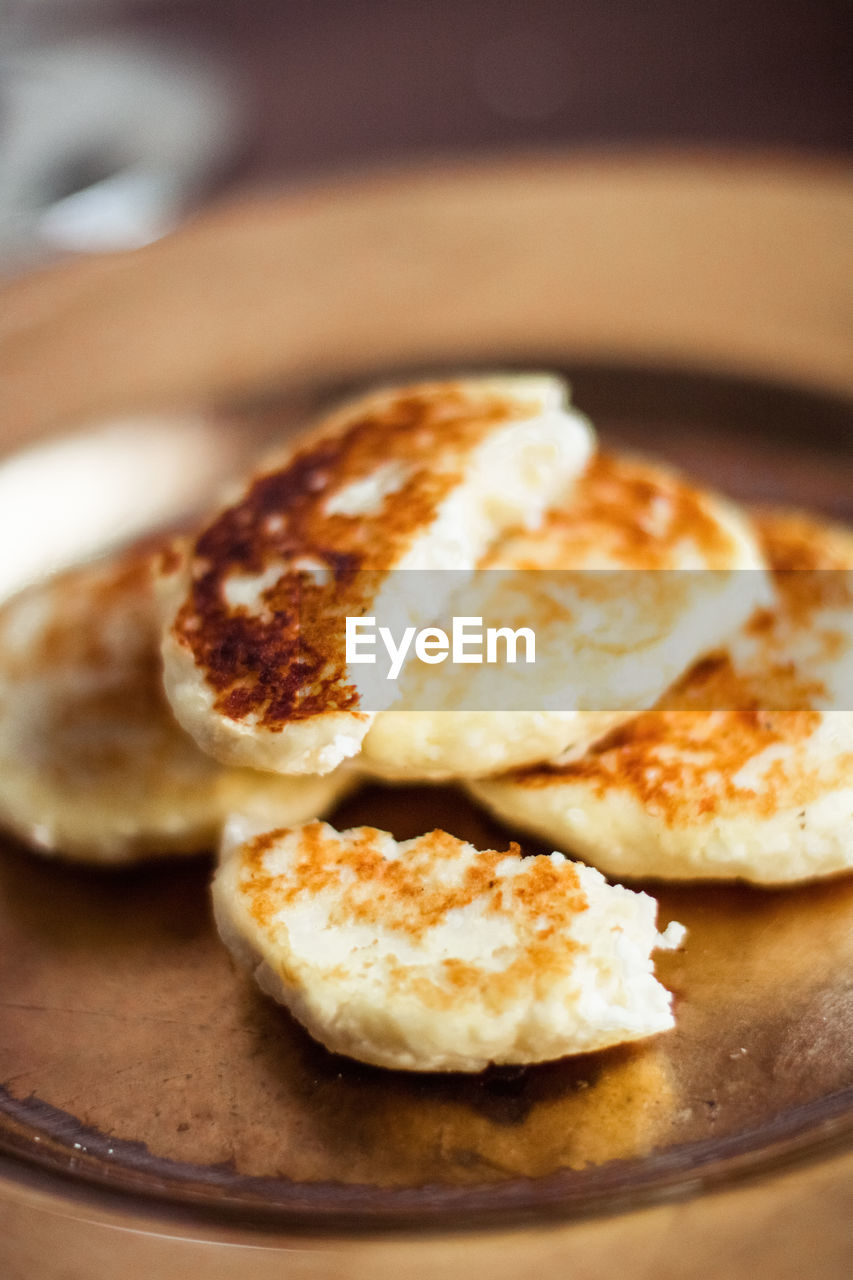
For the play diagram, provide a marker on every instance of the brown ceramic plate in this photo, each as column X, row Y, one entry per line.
column 136, row 1063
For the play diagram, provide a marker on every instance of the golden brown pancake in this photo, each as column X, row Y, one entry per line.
column 431, row 956
column 746, row 767
column 420, row 477
column 93, row 765
column 630, row 578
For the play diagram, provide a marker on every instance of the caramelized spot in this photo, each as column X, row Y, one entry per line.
column 534, row 970
column 169, row 559
column 683, row 760
column 414, row 893
column 796, row 540
column 684, row 765
column 812, row 562
column 634, row 513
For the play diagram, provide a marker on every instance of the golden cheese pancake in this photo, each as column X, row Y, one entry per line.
column 431, row 956
column 745, row 770
column 629, row 579
column 92, row 763
column 423, row 477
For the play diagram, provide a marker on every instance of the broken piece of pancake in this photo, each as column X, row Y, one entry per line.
column 420, row 477
column 92, row 763
column 429, row 955
column 630, row 578
column 756, row 782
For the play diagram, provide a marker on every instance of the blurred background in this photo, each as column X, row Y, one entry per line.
column 121, row 116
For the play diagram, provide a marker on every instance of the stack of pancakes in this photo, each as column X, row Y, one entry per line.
column 690, row 718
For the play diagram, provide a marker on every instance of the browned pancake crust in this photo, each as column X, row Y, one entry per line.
column 682, row 764
column 797, row 540
column 632, row 510
column 402, row 895
column 811, row 561
column 289, row 664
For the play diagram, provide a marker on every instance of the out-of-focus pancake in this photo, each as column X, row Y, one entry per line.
column 429, row 955
column 422, row 477
column 612, row 630
column 756, row 782
column 93, row 765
